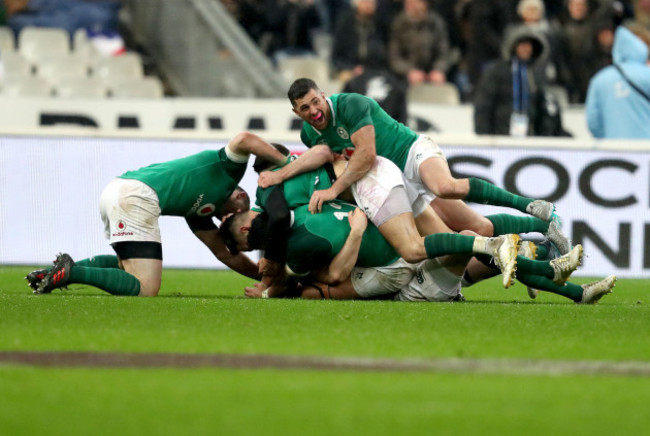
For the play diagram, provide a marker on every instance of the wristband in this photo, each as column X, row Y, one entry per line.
column 265, row 293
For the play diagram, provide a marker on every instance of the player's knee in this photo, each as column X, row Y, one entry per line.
column 148, row 289
column 412, row 253
column 449, row 188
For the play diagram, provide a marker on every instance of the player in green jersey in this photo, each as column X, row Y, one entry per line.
column 347, row 258
column 197, row 187
column 356, row 126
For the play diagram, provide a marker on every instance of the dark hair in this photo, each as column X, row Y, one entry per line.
column 262, row 164
column 225, row 230
column 259, row 231
column 299, row 88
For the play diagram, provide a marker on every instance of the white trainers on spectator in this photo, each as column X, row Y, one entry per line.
column 564, row 266
column 593, row 292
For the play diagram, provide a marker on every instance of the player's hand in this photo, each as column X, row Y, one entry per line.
column 269, row 178
column 318, row 198
column 358, row 220
column 255, row 291
column 269, row 268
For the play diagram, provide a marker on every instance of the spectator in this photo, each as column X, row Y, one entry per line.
column 509, row 99
column 70, row 15
column 357, row 41
column 387, row 10
column 418, row 48
column 618, row 100
column 487, row 21
column 382, row 86
column 556, row 69
column 249, row 14
column 603, row 45
column 290, row 24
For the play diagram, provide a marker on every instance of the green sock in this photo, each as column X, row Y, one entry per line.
column 112, row 280
column 536, row 267
column 569, row 290
column 504, row 224
column 542, row 252
column 101, row 261
column 440, row 244
column 483, row 192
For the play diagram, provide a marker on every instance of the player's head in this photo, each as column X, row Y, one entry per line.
column 237, row 202
column 263, row 164
column 234, row 231
column 309, row 102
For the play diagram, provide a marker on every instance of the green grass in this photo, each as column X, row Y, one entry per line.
column 203, row 312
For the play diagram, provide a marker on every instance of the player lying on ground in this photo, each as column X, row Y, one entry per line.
column 436, row 279
column 356, row 126
column 397, row 209
column 197, row 187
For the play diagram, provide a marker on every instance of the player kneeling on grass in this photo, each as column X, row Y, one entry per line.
column 197, row 187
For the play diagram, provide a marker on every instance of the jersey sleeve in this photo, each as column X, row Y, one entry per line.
column 234, row 168
column 356, row 111
column 198, row 223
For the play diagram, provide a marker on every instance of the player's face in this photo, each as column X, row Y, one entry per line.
column 313, row 108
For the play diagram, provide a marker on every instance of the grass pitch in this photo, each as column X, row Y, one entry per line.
column 202, row 312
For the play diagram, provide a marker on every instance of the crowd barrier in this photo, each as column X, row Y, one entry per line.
column 50, row 185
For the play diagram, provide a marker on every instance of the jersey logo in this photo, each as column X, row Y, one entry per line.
column 316, row 180
column 342, row 133
column 358, row 275
column 419, row 276
column 207, row 209
column 335, row 206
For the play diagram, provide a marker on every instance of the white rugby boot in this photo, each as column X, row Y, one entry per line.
column 593, row 292
column 541, row 209
column 504, row 250
column 529, row 249
column 564, row 266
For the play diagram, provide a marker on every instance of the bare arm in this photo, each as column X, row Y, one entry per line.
column 246, row 143
column 313, row 158
column 343, row 263
column 239, row 263
column 360, row 163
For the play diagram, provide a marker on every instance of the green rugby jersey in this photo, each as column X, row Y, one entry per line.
column 350, row 112
column 196, row 185
column 316, row 239
column 297, row 190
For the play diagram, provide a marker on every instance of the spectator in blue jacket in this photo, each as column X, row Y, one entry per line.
column 616, row 106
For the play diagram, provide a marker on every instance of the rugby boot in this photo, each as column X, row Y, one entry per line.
column 35, row 277
column 593, row 292
column 564, row 266
column 59, row 275
column 504, row 252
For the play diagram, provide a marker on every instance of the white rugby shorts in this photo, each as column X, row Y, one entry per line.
column 378, row 281
column 422, row 149
column 372, row 192
column 130, row 210
column 431, row 282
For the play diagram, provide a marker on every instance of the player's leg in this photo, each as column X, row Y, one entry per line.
column 588, row 293
column 436, row 280
column 427, row 163
column 130, row 212
column 34, row 278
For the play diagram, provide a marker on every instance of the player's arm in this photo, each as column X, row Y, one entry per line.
column 311, row 159
column 208, row 233
column 279, row 222
column 343, row 263
column 360, row 163
column 245, row 143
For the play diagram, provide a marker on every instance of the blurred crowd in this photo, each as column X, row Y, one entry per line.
column 442, row 41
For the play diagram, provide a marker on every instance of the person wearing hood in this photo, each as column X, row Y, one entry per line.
column 618, row 98
column 510, row 93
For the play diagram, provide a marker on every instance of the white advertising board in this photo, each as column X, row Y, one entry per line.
column 50, row 188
